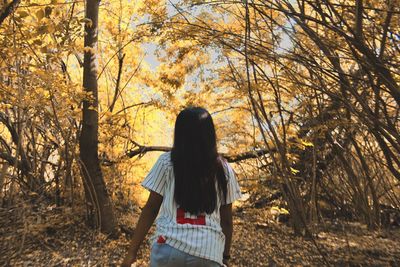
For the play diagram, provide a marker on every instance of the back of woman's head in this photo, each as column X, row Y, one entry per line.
column 197, row 166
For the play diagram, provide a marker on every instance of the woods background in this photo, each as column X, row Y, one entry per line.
column 305, row 96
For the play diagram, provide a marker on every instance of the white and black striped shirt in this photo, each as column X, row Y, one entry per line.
column 199, row 236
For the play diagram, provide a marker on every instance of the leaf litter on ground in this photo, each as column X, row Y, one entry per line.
column 40, row 235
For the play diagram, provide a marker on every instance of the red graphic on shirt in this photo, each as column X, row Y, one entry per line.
column 181, row 219
column 161, row 240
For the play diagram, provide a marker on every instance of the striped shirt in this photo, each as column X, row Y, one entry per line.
column 200, row 235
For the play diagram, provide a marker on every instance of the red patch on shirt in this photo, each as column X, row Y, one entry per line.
column 181, row 219
column 161, row 240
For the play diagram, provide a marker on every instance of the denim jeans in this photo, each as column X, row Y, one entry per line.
column 163, row 255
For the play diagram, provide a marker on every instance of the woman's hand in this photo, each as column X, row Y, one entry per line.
column 226, row 263
column 146, row 219
column 128, row 260
column 227, row 228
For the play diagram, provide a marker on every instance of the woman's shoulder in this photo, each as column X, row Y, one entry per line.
column 224, row 162
column 226, row 166
column 165, row 159
column 221, row 158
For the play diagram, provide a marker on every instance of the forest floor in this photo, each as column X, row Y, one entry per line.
column 40, row 235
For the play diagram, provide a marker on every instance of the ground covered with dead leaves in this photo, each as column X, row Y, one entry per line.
column 41, row 235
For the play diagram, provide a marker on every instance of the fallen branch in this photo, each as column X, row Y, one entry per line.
column 247, row 155
column 13, row 161
column 230, row 158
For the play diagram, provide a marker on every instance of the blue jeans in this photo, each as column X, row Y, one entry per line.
column 163, row 255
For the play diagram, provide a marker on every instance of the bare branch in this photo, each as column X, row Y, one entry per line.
column 359, row 19
column 230, row 158
column 8, row 10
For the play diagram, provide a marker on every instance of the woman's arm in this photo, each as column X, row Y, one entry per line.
column 146, row 219
column 227, row 229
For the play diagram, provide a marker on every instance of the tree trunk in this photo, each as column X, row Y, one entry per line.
column 95, row 188
column 7, row 11
column 3, row 173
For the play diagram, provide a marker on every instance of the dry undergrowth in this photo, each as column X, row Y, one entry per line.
column 40, row 235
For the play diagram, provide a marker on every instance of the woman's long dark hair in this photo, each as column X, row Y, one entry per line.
column 197, row 165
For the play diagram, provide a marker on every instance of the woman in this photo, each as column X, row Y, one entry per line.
column 195, row 188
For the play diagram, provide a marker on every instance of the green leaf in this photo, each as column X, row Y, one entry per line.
column 305, row 143
column 40, row 14
column 22, row 14
column 294, row 171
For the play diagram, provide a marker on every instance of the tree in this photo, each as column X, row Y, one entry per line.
column 95, row 187
column 321, row 81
